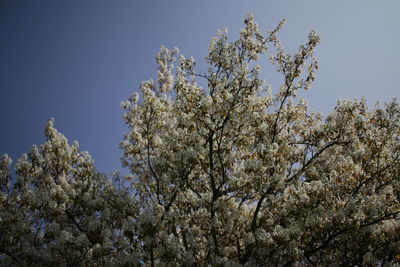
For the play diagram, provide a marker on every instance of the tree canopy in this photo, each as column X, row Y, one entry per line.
column 234, row 173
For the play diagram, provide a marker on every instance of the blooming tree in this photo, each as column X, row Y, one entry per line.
column 232, row 174
column 60, row 210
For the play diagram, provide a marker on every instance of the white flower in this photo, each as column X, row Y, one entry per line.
column 313, row 37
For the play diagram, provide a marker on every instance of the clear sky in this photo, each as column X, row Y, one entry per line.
column 77, row 60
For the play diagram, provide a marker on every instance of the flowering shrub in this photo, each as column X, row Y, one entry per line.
column 233, row 174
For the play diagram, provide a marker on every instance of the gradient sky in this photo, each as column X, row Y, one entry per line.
column 77, row 60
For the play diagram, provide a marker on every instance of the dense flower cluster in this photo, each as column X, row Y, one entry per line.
column 230, row 175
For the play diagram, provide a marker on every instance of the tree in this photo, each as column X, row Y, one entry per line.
column 229, row 175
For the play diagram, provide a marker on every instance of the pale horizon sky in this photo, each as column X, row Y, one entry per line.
column 77, row 60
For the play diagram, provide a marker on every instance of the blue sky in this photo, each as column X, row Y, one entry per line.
column 77, row 60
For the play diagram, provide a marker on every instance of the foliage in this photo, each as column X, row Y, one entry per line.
column 229, row 175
